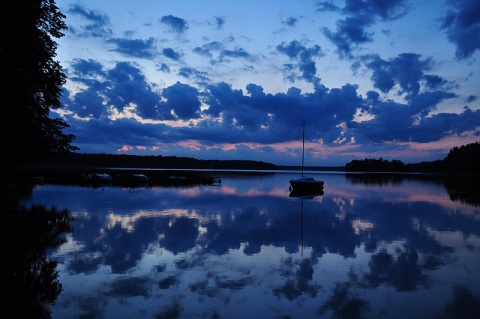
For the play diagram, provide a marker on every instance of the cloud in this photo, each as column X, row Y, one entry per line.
column 87, row 68
column 171, row 54
column 387, row 10
column 217, row 53
column 406, row 122
column 471, row 98
column 135, row 47
column 191, row 73
column 407, row 70
column 462, row 25
column 238, row 53
column 98, row 22
column 163, row 67
column 305, row 57
column 117, row 89
column 352, row 32
column 325, row 6
column 119, row 107
column 182, row 100
column 290, row 21
column 207, row 49
column 219, row 22
column 175, row 24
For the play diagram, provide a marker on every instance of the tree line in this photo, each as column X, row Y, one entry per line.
column 154, row 161
column 460, row 159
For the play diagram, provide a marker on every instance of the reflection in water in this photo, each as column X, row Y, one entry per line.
column 250, row 248
column 29, row 280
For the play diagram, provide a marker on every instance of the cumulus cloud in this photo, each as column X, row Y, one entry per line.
column 290, row 21
column 136, row 48
column 219, row 22
column 462, row 25
column 407, row 70
column 175, row 24
column 171, row 54
column 97, row 22
column 208, row 49
column 182, row 100
column 305, row 58
column 191, row 73
column 352, row 31
column 116, row 88
column 220, row 114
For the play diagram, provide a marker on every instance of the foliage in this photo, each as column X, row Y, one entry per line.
column 137, row 161
column 463, row 159
column 31, row 81
column 375, row 165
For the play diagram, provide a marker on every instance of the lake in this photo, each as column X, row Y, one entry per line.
column 368, row 247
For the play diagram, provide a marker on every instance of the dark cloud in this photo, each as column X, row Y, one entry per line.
column 87, row 68
column 408, row 122
column 406, row 70
column 217, row 53
column 219, row 22
column 171, row 54
column 471, row 98
column 207, row 49
column 164, row 67
column 462, row 25
column 323, row 6
column 191, row 73
column 352, row 31
column 290, row 21
column 237, row 116
column 238, row 53
column 137, row 48
column 117, row 88
column 182, row 100
column 305, row 57
column 385, row 9
column 99, row 22
column 175, row 24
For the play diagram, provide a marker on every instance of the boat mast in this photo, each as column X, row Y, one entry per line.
column 303, row 145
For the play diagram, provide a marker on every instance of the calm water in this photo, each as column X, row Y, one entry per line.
column 246, row 249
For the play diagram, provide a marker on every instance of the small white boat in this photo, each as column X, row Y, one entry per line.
column 305, row 183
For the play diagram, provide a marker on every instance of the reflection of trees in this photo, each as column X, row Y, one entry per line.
column 379, row 179
column 463, row 306
column 463, row 189
column 344, row 304
column 29, row 280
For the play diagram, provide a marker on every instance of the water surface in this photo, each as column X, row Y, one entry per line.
column 388, row 248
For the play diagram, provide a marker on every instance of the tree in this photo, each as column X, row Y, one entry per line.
column 31, row 82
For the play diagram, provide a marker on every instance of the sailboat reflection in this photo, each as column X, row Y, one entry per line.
column 302, row 195
column 306, row 194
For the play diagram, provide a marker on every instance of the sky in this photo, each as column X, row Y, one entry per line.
column 396, row 79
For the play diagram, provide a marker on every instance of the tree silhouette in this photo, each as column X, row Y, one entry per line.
column 31, row 82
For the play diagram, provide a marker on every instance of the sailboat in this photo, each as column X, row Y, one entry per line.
column 305, row 184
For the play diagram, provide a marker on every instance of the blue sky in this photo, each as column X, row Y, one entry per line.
column 397, row 79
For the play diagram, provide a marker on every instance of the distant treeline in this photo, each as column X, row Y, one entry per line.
column 463, row 159
column 158, row 161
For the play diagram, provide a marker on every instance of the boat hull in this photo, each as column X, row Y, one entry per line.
column 306, row 184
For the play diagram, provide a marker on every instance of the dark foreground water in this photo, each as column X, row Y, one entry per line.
column 366, row 248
